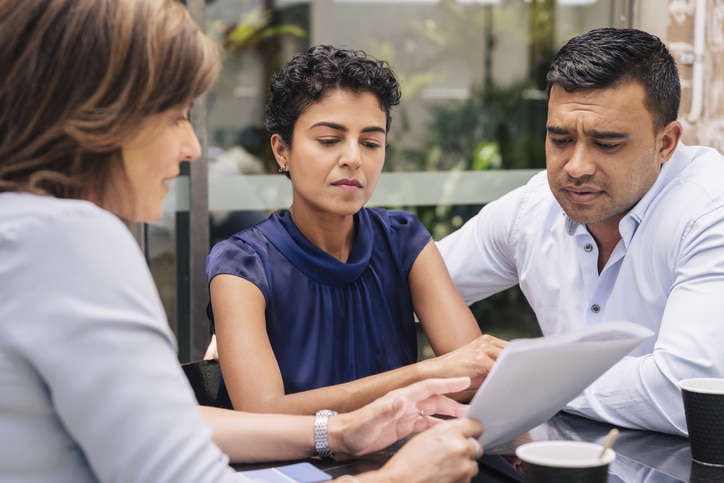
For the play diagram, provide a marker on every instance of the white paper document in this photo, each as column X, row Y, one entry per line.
column 533, row 379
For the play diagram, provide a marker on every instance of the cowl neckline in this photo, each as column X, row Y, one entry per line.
column 316, row 263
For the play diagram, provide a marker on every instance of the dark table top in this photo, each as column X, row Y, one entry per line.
column 641, row 456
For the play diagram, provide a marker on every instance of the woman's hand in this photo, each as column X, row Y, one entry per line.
column 395, row 415
column 446, row 453
column 474, row 360
column 212, row 353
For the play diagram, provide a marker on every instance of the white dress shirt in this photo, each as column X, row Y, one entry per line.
column 666, row 273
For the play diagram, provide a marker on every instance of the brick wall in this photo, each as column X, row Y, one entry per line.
column 705, row 125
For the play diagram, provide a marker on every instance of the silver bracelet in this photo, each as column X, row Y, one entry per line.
column 321, row 442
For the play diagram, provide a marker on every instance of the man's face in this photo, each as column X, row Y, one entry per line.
column 602, row 154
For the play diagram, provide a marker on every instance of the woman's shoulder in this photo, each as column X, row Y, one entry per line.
column 242, row 254
column 67, row 249
column 26, row 216
column 403, row 231
column 392, row 218
column 246, row 242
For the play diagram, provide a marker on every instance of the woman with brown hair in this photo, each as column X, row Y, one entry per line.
column 94, row 103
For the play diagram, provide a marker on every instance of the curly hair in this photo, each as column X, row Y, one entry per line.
column 311, row 74
column 79, row 77
column 609, row 57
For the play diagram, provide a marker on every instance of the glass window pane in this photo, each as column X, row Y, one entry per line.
column 474, row 100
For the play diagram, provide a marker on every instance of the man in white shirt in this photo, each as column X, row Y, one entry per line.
column 627, row 223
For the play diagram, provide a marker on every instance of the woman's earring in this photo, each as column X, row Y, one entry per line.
column 282, row 168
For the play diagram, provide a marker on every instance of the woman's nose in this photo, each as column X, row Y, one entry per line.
column 351, row 155
column 190, row 146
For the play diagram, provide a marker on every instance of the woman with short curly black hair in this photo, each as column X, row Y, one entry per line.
column 314, row 308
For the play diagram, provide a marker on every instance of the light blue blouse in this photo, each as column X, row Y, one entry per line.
column 90, row 384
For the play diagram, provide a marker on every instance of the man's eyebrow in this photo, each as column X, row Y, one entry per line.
column 557, row 130
column 561, row 131
column 606, row 134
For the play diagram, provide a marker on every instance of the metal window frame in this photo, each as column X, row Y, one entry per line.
column 192, row 235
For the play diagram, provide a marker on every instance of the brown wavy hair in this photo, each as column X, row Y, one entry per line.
column 79, row 77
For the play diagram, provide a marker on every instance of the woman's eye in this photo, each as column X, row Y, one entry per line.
column 183, row 116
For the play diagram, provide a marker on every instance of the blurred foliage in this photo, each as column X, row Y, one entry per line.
column 260, row 35
column 495, row 127
column 259, row 32
column 254, row 28
column 501, row 129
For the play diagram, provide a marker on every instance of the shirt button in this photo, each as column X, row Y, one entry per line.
column 595, row 308
column 588, row 247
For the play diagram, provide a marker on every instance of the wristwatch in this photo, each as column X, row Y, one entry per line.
column 321, row 443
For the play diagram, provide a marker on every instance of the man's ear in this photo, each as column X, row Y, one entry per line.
column 667, row 139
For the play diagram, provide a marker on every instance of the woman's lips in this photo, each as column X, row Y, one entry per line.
column 348, row 184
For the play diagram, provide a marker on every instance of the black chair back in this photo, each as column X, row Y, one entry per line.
column 204, row 377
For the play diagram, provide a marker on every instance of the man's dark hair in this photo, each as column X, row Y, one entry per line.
column 610, row 57
column 311, row 74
